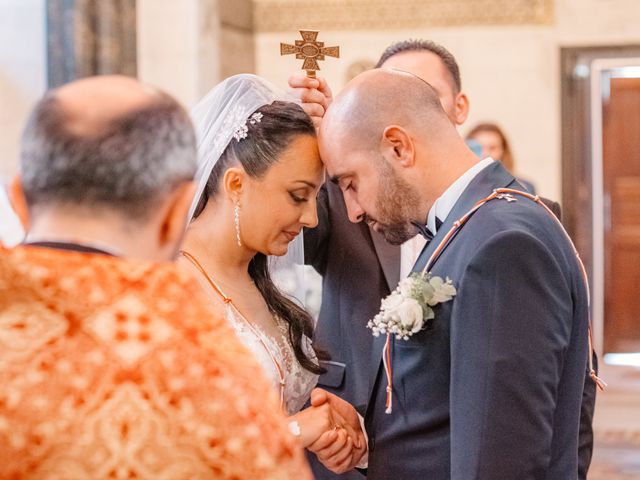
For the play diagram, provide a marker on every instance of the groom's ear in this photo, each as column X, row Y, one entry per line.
column 233, row 182
column 398, row 146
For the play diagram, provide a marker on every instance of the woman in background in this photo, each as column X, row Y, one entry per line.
column 494, row 144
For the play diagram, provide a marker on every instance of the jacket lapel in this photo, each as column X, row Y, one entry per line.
column 376, row 367
column 492, row 177
column 389, row 257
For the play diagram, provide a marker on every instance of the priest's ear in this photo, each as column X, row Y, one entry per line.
column 174, row 216
column 461, row 107
column 18, row 202
column 398, row 147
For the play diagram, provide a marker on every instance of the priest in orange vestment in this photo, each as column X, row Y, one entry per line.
column 111, row 365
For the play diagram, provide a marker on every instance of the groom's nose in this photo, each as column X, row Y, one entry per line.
column 354, row 210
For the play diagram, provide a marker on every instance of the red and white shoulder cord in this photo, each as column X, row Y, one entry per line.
column 499, row 193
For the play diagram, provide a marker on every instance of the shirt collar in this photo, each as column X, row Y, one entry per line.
column 445, row 203
column 72, row 243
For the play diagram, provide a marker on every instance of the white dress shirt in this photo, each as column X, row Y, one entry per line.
column 410, row 250
column 442, row 207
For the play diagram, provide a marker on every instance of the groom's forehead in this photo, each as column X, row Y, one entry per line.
column 337, row 167
column 348, row 164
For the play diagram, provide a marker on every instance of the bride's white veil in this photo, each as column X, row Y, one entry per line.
column 217, row 117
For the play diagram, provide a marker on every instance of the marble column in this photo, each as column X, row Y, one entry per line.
column 90, row 37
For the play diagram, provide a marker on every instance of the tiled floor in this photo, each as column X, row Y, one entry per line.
column 615, row 462
column 617, row 426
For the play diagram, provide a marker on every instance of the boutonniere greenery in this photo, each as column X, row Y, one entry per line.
column 410, row 306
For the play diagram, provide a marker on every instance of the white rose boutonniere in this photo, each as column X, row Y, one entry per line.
column 409, row 307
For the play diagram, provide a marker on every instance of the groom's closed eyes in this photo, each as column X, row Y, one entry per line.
column 345, row 182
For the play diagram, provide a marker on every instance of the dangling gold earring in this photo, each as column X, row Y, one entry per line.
column 236, row 218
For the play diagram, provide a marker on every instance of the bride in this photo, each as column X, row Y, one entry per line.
column 258, row 177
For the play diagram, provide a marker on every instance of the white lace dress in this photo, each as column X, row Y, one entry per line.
column 298, row 382
column 272, row 350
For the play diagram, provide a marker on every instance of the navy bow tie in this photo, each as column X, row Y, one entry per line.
column 425, row 231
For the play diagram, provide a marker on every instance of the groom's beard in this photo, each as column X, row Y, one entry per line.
column 395, row 202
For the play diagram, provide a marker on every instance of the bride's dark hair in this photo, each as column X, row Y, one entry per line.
column 281, row 122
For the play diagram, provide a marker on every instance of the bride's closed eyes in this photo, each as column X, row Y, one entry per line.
column 301, row 195
column 298, row 198
column 305, row 192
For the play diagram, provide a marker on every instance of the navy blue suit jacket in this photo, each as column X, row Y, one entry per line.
column 492, row 389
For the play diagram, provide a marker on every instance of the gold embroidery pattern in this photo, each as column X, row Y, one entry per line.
column 112, row 369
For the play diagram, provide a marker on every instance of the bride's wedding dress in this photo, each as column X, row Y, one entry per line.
column 272, row 349
column 276, row 356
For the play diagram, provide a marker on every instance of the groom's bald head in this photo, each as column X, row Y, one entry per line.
column 389, row 145
column 379, row 98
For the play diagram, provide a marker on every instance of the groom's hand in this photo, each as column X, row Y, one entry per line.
column 344, row 409
column 333, row 455
column 314, row 94
column 335, row 451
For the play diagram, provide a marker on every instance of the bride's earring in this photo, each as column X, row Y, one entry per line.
column 236, row 219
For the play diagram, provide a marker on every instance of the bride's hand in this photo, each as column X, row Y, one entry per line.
column 315, row 421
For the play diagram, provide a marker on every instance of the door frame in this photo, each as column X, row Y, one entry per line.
column 582, row 168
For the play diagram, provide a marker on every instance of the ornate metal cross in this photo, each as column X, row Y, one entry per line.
column 309, row 50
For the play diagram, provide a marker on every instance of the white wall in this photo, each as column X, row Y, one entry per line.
column 511, row 74
column 23, row 75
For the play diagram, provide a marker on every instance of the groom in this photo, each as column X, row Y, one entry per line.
column 491, row 389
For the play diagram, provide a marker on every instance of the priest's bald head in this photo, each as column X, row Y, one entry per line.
column 392, row 153
column 108, row 161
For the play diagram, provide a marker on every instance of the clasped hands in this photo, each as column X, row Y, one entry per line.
column 330, row 428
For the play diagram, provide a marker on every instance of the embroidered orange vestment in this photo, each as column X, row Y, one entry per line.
column 117, row 369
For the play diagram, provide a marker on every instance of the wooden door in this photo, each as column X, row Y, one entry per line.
column 621, row 168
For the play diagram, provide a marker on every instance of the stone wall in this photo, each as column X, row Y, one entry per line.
column 187, row 47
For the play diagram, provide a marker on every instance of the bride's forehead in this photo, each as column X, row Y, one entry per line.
column 299, row 161
column 302, row 149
